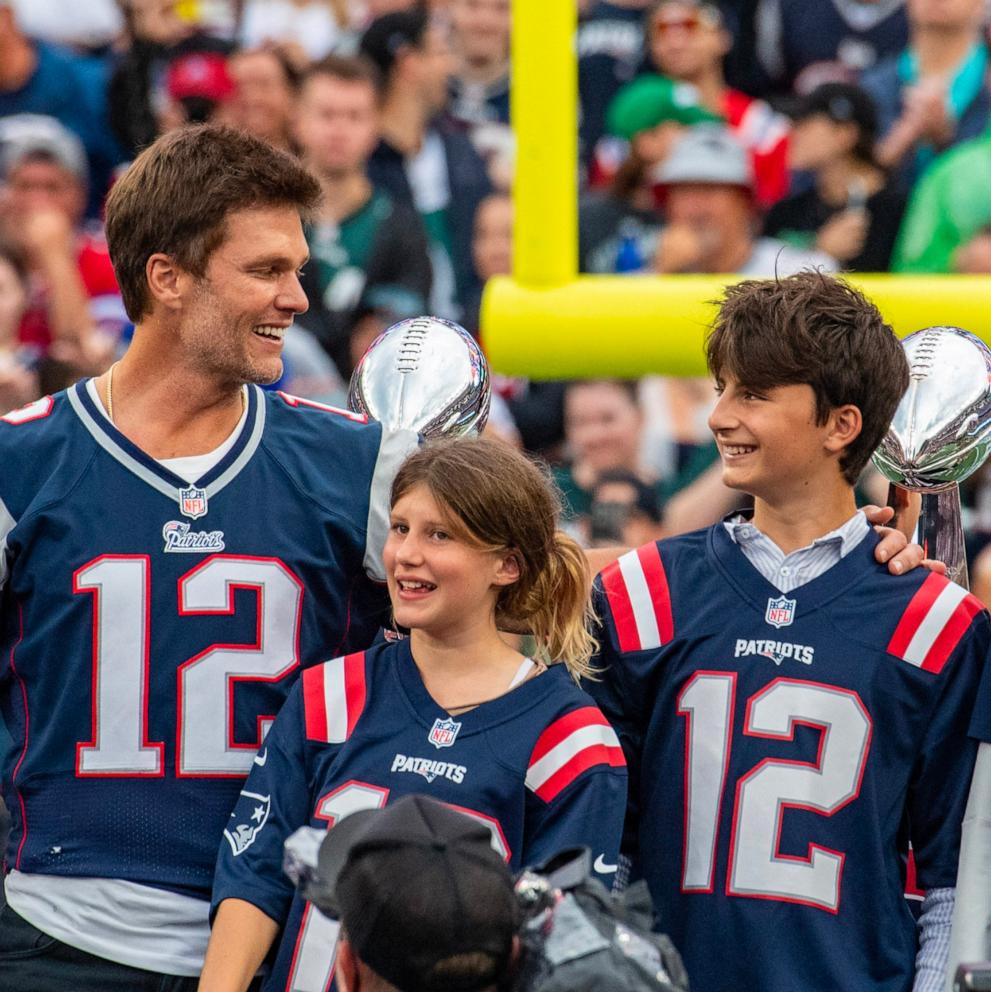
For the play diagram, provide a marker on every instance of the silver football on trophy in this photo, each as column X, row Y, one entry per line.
column 941, row 432
column 424, row 374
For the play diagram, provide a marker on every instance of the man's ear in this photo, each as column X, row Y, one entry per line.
column 165, row 280
column 844, row 426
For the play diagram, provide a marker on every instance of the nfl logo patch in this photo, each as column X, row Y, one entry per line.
column 443, row 733
column 192, row 503
column 780, row 612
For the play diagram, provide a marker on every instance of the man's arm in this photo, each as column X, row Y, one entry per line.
column 241, row 937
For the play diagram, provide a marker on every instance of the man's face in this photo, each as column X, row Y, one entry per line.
column 337, row 124
column 434, row 66
column 492, row 246
column 602, row 425
column 481, row 30
column 768, row 440
column 233, row 319
column 264, row 100
column 686, row 41
column 946, row 13
column 721, row 215
column 42, row 184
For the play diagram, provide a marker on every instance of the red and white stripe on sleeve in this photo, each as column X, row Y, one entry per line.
column 569, row 746
column 636, row 588
column 333, row 698
column 933, row 623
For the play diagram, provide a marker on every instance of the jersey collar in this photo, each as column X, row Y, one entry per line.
column 152, row 472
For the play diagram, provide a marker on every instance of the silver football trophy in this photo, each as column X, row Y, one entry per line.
column 424, row 374
column 940, row 435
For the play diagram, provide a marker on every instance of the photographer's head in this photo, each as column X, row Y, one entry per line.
column 425, row 902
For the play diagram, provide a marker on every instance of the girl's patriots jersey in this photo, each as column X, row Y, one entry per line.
column 539, row 766
column 784, row 750
column 151, row 629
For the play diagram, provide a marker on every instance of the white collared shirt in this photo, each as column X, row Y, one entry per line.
column 787, row 572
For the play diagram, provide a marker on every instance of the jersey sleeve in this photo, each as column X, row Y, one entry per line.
column 394, row 448
column 945, row 632
column 576, row 791
column 273, row 803
column 633, row 603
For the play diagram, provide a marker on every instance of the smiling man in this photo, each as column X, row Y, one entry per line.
column 175, row 544
column 794, row 716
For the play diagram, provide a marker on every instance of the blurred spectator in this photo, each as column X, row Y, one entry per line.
column 90, row 25
column 39, row 78
column 18, row 362
column 491, row 250
column 266, row 86
column 480, row 84
column 152, row 87
column 366, row 247
column 198, row 84
column 934, row 92
column 602, row 429
column 708, row 193
column 625, row 511
column 423, row 158
column 851, row 212
column 801, row 45
column 618, row 229
column 313, row 28
column 610, row 50
column 43, row 166
column 949, row 206
column 688, row 40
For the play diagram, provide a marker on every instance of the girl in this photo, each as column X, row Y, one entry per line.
column 453, row 711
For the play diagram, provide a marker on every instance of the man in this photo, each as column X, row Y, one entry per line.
column 793, row 716
column 73, row 290
column 932, row 93
column 688, row 41
column 176, row 545
column 423, row 159
column 422, row 898
column 365, row 246
column 708, row 195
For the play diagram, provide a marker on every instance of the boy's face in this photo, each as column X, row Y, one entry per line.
column 769, row 441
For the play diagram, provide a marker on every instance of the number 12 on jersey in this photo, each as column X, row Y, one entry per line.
column 756, row 868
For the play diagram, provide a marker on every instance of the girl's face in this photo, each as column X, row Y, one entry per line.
column 13, row 299
column 437, row 582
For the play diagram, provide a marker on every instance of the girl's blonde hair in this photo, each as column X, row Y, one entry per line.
column 499, row 500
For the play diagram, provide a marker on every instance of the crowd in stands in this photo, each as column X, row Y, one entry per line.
column 755, row 137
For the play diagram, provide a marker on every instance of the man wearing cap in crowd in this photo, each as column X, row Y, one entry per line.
column 645, row 121
column 707, row 190
column 688, row 41
column 423, row 900
column 44, row 171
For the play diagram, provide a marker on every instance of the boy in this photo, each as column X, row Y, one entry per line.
column 794, row 716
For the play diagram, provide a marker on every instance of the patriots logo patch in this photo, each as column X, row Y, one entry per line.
column 249, row 817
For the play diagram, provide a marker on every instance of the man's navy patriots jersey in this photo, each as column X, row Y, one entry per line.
column 151, row 629
column 539, row 766
column 784, row 749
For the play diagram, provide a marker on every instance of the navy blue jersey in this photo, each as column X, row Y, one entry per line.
column 539, row 766
column 784, row 749
column 151, row 629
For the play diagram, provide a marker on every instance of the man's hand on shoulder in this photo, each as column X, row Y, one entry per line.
column 894, row 547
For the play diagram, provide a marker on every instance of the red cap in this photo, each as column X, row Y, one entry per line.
column 202, row 74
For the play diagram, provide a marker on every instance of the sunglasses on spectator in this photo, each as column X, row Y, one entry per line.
column 687, row 22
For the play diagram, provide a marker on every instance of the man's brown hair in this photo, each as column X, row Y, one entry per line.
column 348, row 69
column 815, row 330
column 176, row 196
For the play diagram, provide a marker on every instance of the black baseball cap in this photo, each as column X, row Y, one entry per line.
column 416, row 885
column 842, row 103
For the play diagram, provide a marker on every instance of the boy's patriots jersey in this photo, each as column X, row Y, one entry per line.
column 151, row 629
column 539, row 766
column 784, row 749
